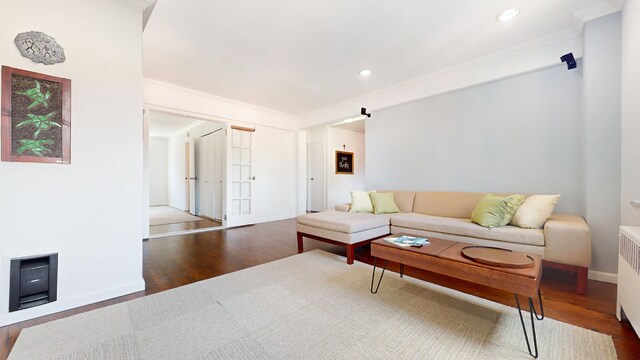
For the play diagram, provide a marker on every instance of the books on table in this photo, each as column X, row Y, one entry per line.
column 407, row 240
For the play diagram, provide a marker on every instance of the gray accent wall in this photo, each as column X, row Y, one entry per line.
column 601, row 91
column 518, row 135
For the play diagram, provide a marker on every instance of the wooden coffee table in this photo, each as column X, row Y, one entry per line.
column 445, row 257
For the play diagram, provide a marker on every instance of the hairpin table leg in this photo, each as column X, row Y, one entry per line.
column 401, row 270
column 532, row 313
column 373, row 275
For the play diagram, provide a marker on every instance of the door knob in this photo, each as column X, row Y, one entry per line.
column 311, row 179
column 253, row 178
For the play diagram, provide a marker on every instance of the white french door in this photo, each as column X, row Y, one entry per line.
column 242, row 177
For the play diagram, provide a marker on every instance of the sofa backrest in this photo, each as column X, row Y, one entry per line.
column 404, row 199
column 446, row 203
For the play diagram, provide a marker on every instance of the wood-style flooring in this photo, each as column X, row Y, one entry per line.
column 188, row 225
column 179, row 260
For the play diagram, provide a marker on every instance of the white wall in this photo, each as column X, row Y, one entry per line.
column 518, row 135
column 158, row 171
column 630, row 112
column 176, row 168
column 90, row 210
column 276, row 169
column 601, row 92
column 338, row 186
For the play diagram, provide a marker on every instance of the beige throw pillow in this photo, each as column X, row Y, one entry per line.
column 535, row 211
column 360, row 202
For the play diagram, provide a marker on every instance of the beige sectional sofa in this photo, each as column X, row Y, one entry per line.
column 564, row 242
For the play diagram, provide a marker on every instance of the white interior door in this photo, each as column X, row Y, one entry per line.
column 192, row 175
column 205, row 176
column 315, row 176
column 218, row 140
column 242, row 177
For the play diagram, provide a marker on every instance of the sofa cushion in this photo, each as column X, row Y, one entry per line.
column 465, row 227
column 493, row 210
column 360, row 202
column 535, row 211
column 404, row 199
column 344, row 222
column 383, row 203
column 447, row 204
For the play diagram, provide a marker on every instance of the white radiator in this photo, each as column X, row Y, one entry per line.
column 629, row 276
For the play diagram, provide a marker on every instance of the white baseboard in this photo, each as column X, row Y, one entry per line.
column 66, row 304
column 603, row 276
column 176, row 206
column 275, row 218
column 186, row 232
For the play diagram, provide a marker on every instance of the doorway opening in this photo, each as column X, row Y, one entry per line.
column 326, row 186
column 186, row 174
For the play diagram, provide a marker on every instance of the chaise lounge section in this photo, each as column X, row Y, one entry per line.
column 564, row 242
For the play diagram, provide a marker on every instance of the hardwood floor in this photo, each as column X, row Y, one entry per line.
column 179, row 260
column 188, row 225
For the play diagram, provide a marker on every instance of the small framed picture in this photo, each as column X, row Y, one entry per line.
column 344, row 162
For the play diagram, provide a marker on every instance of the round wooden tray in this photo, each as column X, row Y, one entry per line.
column 497, row 257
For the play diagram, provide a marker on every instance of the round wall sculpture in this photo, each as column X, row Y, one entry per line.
column 39, row 47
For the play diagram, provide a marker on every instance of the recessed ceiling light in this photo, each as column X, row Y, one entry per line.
column 508, row 14
column 365, row 72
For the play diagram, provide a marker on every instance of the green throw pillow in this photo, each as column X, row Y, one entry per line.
column 360, row 202
column 383, row 203
column 493, row 210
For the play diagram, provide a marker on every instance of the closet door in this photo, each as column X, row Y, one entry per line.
column 206, row 193
column 218, row 141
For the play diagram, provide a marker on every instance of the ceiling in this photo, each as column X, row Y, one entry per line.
column 163, row 124
column 298, row 56
column 357, row 126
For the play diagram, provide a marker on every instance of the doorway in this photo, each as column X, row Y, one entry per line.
column 186, row 157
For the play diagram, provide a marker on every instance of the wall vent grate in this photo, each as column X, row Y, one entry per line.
column 630, row 251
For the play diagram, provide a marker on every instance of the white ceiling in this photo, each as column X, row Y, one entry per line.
column 297, row 56
column 357, row 126
column 163, row 124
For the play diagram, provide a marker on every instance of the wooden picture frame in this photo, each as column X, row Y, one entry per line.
column 36, row 117
column 344, row 162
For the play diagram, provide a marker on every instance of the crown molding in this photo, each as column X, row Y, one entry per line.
column 170, row 97
column 594, row 12
column 535, row 55
column 143, row 3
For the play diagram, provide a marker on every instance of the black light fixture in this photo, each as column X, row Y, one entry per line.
column 363, row 111
column 570, row 60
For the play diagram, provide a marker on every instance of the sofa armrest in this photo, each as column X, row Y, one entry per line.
column 567, row 240
column 343, row 207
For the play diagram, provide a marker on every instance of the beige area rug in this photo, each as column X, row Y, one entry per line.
column 162, row 215
column 308, row 306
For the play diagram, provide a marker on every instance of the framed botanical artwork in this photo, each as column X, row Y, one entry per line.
column 36, row 117
column 344, row 162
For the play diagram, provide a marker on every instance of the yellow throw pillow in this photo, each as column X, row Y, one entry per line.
column 360, row 202
column 535, row 211
column 493, row 210
column 383, row 203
